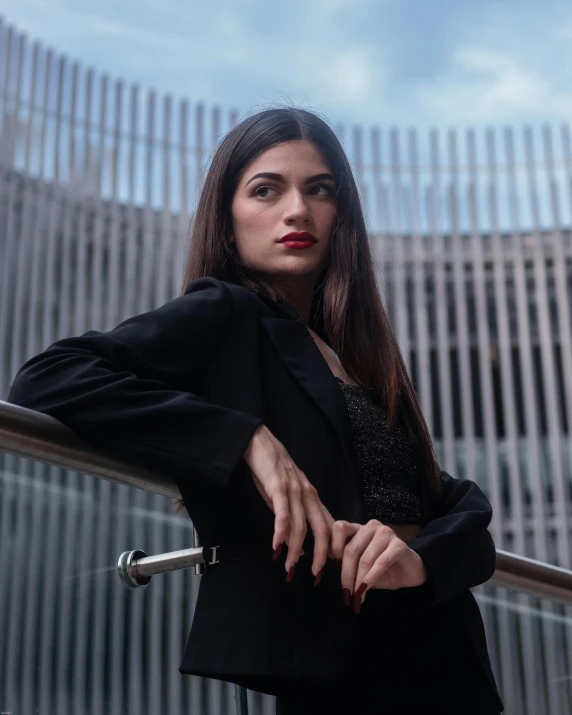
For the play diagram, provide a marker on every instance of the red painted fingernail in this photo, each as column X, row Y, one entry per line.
column 346, row 595
column 356, row 604
column 291, row 573
column 319, row 576
column 277, row 552
column 357, row 597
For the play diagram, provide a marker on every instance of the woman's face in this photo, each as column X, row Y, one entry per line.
column 288, row 188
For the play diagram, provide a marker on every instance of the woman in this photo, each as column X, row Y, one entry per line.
column 274, row 392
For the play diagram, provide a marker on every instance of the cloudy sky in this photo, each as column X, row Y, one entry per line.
column 386, row 62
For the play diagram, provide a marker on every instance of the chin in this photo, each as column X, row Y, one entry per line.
column 302, row 269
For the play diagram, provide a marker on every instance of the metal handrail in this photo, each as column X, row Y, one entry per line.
column 32, row 434
column 37, row 436
column 534, row 577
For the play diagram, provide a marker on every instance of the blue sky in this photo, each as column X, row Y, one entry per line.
column 385, row 62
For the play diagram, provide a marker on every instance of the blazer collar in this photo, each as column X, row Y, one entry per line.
column 280, row 308
column 303, row 358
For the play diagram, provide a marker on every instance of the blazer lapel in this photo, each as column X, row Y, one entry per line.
column 303, row 359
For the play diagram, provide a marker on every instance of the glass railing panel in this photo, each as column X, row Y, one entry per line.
column 73, row 638
column 530, row 645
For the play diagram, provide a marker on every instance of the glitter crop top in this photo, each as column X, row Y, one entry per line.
column 387, row 464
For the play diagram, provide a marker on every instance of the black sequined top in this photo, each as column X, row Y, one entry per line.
column 387, row 462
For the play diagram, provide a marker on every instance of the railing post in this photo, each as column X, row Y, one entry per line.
column 239, row 690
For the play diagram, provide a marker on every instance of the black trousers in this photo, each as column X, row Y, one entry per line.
column 362, row 691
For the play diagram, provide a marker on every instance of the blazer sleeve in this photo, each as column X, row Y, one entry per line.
column 456, row 547
column 129, row 390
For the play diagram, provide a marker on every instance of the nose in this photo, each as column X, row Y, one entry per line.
column 297, row 208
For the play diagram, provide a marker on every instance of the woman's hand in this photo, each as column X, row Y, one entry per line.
column 292, row 498
column 374, row 557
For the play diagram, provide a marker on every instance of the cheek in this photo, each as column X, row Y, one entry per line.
column 249, row 226
column 328, row 215
column 249, row 216
column 253, row 228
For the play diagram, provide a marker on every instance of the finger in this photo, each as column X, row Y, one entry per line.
column 395, row 551
column 328, row 517
column 298, row 528
column 341, row 531
column 281, row 508
column 287, row 542
column 382, row 537
column 330, row 522
column 352, row 554
column 317, row 520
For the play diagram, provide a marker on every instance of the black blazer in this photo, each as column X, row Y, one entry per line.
column 182, row 388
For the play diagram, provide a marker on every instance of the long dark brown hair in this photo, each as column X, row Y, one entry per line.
column 347, row 310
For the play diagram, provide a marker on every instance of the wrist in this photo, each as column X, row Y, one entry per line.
column 258, row 438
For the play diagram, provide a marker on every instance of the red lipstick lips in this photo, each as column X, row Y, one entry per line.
column 298, row 239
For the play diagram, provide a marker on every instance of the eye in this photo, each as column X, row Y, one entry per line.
column 258, row 188
column 266, row 187
column 329, row 190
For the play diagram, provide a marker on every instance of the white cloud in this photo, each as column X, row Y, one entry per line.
column 484, row 85
column 354, row 75
column 322, row 54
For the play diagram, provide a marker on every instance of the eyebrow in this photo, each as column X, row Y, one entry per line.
column 279, row 177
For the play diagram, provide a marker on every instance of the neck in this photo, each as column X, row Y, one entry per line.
column 299, row 294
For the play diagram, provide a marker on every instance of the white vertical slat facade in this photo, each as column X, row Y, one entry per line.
column 471, row 235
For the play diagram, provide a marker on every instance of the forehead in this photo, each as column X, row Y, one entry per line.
column 289, row 158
